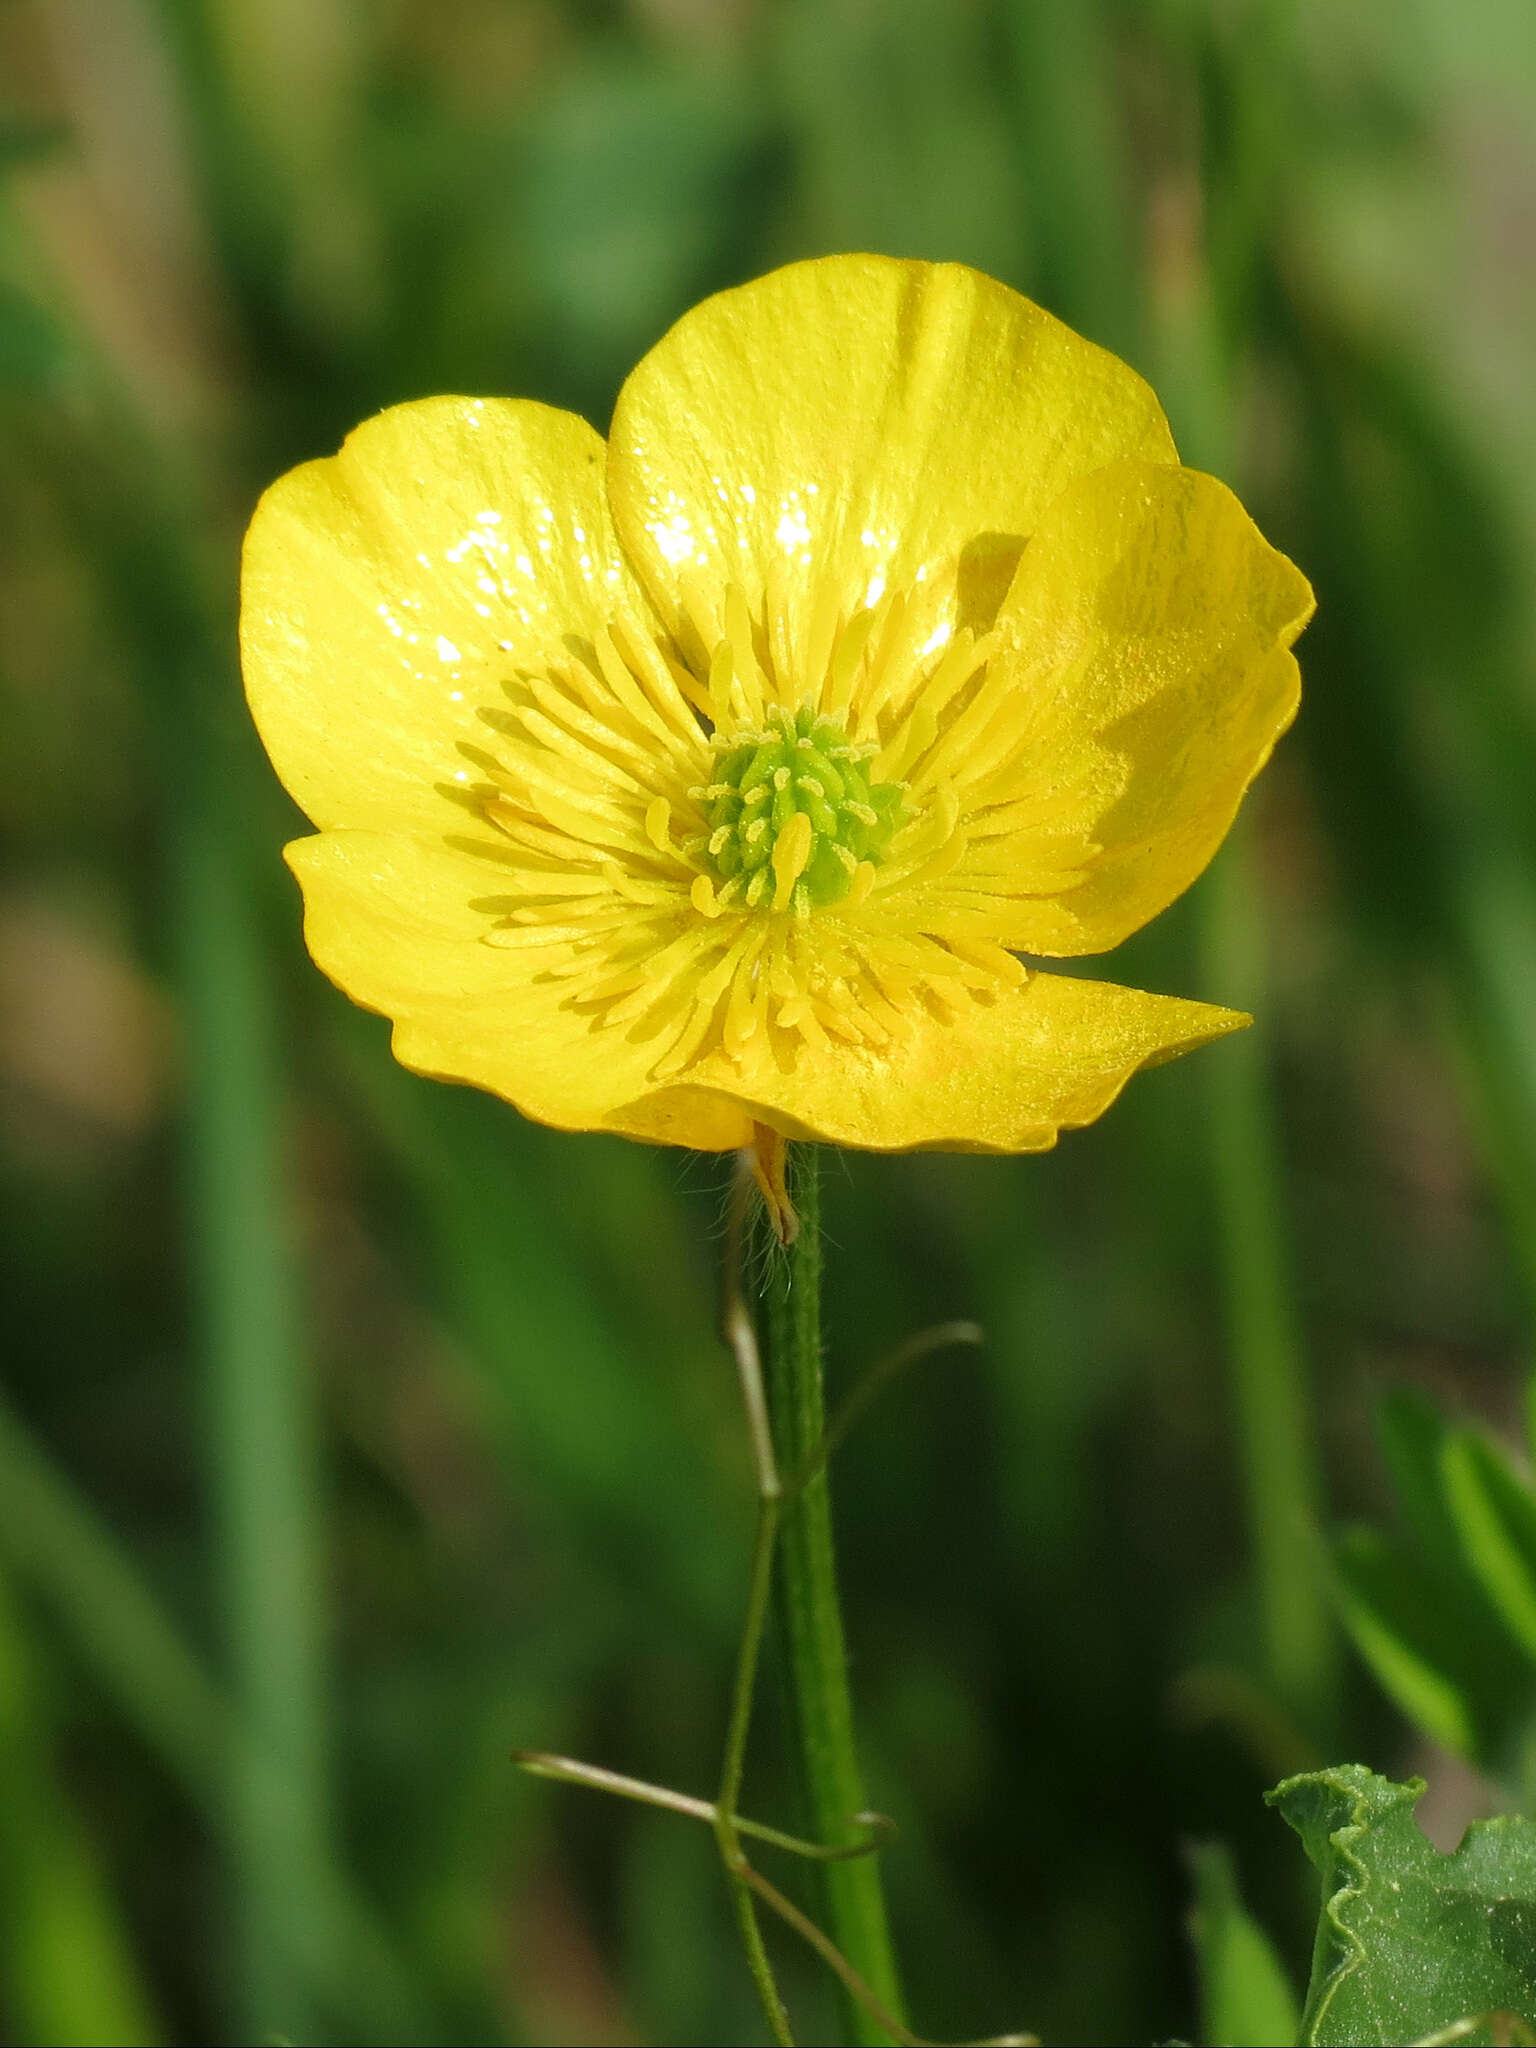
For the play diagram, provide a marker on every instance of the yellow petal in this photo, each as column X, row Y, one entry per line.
column 1045, row 1058
column 400, row 924
column 852, row 425
column 1145, row 659
column 388, row 589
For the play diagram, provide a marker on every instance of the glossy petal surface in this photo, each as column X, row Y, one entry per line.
column 379, row 583
column 394, row 922
column 1045, row 1058
column 855, row 425
column 717, row 782
column 1142, row 678
column 400, row 922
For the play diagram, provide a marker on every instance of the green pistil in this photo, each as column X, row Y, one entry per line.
column 798, row 765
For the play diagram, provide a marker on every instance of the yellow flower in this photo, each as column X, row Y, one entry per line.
column 718, row 776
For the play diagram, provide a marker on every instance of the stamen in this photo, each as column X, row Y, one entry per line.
column 885, row 671
column 721, row 665
column 648, row 693
column 749, row 676
column 849, row 652
column 644, row 660
column 699, row 610
column 658, row 824
column 669, row 833
column 584, row 762
column 798, row 767
column 599, row 735
column 820, row 635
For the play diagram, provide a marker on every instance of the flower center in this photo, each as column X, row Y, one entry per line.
column 795, row 822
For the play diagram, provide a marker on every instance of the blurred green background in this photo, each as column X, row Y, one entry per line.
column 354, row 1430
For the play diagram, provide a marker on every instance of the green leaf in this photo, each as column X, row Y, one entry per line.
column 1246, row 1999
column 1413, row 1433
column 1495, row 1514
column 1409, row 1638
column 1437, row 1613
column 1410, row 1941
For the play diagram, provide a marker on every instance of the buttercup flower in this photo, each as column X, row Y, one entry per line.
column 718, row 777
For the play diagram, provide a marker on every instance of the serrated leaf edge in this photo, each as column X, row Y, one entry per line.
column 1341, row 1779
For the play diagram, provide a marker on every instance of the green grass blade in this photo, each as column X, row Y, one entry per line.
column 67, row 1971
column 1270, row 1389
column 1414, row 633
column 1413, row 1644
column 1073, row 148
column 55, row 1546
column 1495, row 1514
column 1246, row 1999
column 1205, row 319
column 261, row 1422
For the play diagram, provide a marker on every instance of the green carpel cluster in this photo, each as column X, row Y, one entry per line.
column 799, row 767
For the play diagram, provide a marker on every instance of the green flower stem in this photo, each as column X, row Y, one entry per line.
column 740, row 1333
column 821, row 1711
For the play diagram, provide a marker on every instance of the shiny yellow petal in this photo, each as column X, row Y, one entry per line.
column 851, row 426
column 896, row 492
column 386, row 590
column 1146, row 672
column 1045, row 1058
column 400, row 924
